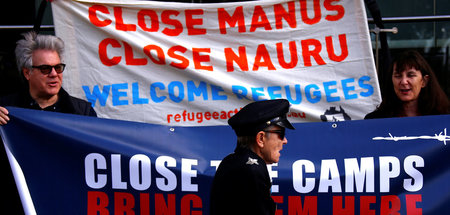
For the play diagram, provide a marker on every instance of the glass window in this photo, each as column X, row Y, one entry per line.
column 431, row 38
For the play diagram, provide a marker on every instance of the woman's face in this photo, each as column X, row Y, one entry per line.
column 408, row 83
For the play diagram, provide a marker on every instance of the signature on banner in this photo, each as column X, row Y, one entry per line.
column 442, row 136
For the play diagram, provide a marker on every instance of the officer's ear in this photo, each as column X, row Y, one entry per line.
column 260, row 136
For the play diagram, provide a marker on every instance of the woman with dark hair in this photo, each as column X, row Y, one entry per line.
column 413, row 91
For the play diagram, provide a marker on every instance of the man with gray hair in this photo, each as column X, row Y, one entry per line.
column 39, row 59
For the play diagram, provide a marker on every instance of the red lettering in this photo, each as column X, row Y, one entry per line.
column 123, row 203
column 198, row 58
column 231, row 113
column 102, row 52
column 145, row 203
column 294, row 56
column 340, row 10
column 223, row 115
column 168, row 117
column 177, row 117
column 304, row 12
column 364, row 205
column 93, row 18
column 215, row 115
column 191, row 22
column 184, row 115
column 330, row 48
column 307, row 53
column 262, row 53
column 297, row 115
column 241, row 60
column 120, row 25
column 278, row 200
column 258, row 14
column 208, row 115
column 236, row 18
column 160, row 57
column 163, row 207
column 186, row 204
column 178, row 27
column 411, row 207
column 184, row 61
column 97, row 203
column 308, row 208
column 280, row 14
column 129, row 56
column 142, row 14
column 390, row 205
column 199, row 116
column 340, row 209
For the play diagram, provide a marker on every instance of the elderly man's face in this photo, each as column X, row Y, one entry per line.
column 44, row 86
column 273, row 144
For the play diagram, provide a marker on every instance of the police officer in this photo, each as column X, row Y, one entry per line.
column 242, row 184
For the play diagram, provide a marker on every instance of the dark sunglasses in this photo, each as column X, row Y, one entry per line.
column 47, row 69
column 281, row 133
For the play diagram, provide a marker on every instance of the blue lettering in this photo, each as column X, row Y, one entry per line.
column 198, row 91
column 96, row 94
column 215, row 90
column 177, row 92
column 329, row 91
column 239, row 91
column 368, row 87
column 316, row 93
column 135, row 93
column 116, row 94
column 272, row 90
column 347, row 88
column 172, row 96
column 155, row 98
column 298, row 92
column 256, row 94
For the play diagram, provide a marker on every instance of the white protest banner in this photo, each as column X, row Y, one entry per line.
column 187, row 64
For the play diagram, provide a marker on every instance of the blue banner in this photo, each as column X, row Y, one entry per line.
column 82, row 165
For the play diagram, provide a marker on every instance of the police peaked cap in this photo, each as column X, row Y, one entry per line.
column 259, row 115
